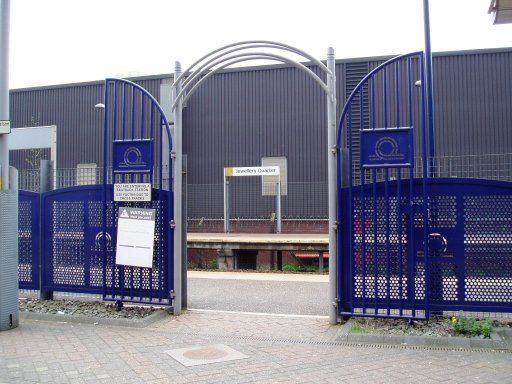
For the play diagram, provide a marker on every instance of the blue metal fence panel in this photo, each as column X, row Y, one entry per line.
column 76, row 241
column 469, row 251
column 470, row 245
column 28, row 240
column 72, row 228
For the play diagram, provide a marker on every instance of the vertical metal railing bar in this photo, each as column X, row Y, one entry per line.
column 386, row 196
column 142, row 136
column 339, row 219
column 161, row 223
column 425, row 201
column 104, row 186
column 351, row 208
column 133, row 109
column 123, row 116
column 361, row 203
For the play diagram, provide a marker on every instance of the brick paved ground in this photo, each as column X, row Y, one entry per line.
column 280, row 350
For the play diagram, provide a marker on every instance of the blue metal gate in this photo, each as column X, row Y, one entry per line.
column 28, row 240
column 409, row 243
column 382, row 209
column 72, row 234
column 135, row 154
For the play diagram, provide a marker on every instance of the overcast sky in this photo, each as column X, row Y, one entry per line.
column 65, row 41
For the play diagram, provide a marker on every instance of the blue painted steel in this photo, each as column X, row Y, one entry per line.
column 134, row 119
column 28, row 240
column 381, row 205
column 469, row 257
column 72, row 230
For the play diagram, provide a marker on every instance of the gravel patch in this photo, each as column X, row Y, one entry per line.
column 96, row 309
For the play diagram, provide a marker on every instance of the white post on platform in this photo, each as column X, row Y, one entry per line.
column 278, row 205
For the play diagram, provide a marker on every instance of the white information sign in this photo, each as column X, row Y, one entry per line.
column 5, row 126
column 135, row 237
column 252, row 171
column 132, row 192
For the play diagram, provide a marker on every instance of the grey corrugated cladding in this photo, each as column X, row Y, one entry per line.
column 71, row 109
column 241, row 115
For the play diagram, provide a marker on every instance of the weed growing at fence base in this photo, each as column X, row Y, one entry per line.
column 471, row 326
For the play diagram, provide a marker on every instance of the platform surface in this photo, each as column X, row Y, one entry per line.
column 260, row 241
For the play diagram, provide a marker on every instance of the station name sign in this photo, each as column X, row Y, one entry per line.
column 251, row 171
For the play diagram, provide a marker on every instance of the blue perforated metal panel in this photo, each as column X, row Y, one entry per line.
column 28, row 240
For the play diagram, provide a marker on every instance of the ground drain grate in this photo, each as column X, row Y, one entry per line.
column 352, row 344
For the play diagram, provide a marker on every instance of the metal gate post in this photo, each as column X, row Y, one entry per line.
column 331, row 174
column 184, row 263
column 177, row 187
column 45, row 172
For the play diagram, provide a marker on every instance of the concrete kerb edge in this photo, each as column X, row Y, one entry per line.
column 63, row 318
column 495, row 342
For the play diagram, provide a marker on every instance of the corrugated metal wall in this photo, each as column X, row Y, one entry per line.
column 241, row 115
column 71, row 109
column 473, row 103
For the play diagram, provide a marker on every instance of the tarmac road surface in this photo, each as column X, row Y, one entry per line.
column 294, row 294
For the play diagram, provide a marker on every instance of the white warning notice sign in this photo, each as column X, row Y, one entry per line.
column 135, row 237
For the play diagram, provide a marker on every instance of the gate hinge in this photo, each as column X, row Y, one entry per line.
column 335, row 226
column 173, row 154
column 334, row 149
column 172, row 294
column 173, row 224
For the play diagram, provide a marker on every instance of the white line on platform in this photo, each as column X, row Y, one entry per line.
column 286, row 315
column 312, row 278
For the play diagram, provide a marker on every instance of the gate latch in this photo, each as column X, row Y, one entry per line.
column 437, row 243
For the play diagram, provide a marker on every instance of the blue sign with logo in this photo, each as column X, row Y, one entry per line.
column 133, row 156
column 386, row 148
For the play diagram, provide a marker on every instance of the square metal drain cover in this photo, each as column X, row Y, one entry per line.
column 205, row 354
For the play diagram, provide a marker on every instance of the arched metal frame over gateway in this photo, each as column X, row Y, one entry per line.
column 186, row 83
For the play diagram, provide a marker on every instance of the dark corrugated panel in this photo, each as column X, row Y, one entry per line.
column 71, row 109
column 473, row 99
column 28, row 158
column 79, row 124
column 239, row 117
